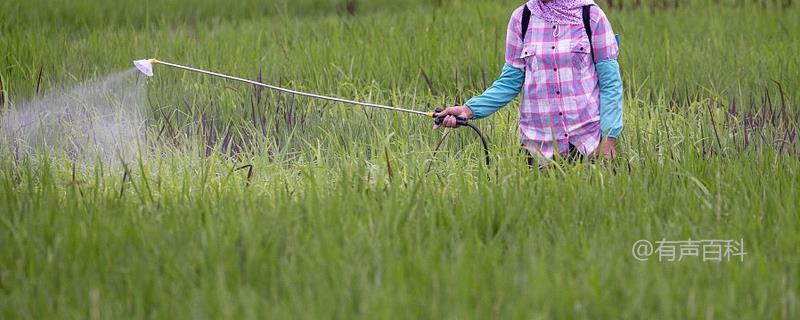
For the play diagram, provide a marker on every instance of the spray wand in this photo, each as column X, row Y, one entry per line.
column 146, row 67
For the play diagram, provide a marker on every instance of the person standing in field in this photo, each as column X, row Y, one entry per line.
column 568, row 75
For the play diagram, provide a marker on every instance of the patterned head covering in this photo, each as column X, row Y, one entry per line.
column 559, row 11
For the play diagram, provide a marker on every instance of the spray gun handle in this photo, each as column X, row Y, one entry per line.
column 438, row 120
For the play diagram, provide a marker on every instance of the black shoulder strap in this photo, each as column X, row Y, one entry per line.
column 526, row 20
column 587, row 24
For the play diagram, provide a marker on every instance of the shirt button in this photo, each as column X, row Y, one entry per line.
column 526, row 52
column 566, row 135
column 560, row 113
column 554, row 47
column 555, row 69
column 558, row 92
column 581, row 48
column 554, row 27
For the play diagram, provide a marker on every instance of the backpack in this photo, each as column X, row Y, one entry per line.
column 586, row 13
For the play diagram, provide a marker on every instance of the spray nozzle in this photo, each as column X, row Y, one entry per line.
column 145, row 66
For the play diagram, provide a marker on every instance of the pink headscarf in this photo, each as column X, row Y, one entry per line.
column 559, row 11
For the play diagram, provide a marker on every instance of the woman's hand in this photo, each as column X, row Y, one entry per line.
column 450, row 116
column 608, row 149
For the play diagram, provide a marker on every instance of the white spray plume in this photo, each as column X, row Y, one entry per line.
column 101, row 119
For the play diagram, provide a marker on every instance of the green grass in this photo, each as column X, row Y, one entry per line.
column 352, row 214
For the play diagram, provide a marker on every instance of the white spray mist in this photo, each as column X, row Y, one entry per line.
column 101, row 119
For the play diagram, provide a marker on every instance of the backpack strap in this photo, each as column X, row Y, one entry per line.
column 526, row 20
column 587, row 24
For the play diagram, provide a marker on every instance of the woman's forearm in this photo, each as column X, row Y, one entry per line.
column 502, row 91
column 610, row 98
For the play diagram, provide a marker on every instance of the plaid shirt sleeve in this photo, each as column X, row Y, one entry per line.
column 514, row 41
column 603, row 40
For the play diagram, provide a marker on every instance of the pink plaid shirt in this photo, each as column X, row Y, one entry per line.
column 561, row 94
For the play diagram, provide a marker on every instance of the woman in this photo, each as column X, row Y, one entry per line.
column 570, row 102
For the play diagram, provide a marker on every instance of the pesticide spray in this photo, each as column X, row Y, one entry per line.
column 98, row 120
column 146, row 67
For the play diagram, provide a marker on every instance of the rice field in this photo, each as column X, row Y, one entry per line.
column 246, row 203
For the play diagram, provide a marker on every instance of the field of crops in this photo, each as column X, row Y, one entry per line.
column 245, row 203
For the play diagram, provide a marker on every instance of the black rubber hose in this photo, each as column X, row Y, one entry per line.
column 483, row 141
column 462, row 122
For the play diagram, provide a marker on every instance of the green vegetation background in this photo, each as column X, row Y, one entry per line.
column 351, row 214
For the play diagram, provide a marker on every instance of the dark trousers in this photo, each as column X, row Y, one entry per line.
column 573, row 156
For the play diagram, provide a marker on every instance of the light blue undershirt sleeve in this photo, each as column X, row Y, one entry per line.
column 502, row 91
column 610, row 98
